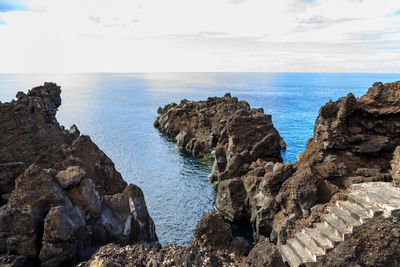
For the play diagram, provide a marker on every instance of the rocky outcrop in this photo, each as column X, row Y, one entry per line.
column 212, row 245
column 240, row 136
column 61, row 196
column 353, row 142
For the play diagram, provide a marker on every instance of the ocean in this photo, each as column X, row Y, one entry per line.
column 118, row 112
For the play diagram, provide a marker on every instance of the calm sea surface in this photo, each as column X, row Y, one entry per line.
column 118, row 111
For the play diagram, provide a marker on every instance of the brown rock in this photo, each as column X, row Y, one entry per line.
column 211, row 230
column 37, row 188
column 264, row 254
column 230, row 201
column 70, row 177
column 63, row 237
column 395, row 164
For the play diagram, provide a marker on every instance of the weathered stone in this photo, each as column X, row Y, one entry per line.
column 130, row 211
column 211, row 230
column 230, row 199
column 19, row 231
column 70, row 177
column 395, row 163
column 264, row 254
column 36, row 188
column 86, row 198
column 63, row 237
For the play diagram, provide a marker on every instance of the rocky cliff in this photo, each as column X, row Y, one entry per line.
column 354, row 140
column 61, row 196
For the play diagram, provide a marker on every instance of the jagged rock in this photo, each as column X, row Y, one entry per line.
column 70, row 177
column 86, row 198
column 264, row 254
column 54, row 184
column 353, row 142
column 30, row 133
column 212, row 245
column 230, row 200
column 96, row 164
column 211, row 230
column 37, row 188
column 19, row 231
column 64, row 236
column 129, row 208
column 395, row 163
column 241, row 136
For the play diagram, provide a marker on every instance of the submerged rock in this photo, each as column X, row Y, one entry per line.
column 61, row 196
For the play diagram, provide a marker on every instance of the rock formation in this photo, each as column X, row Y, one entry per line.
column 240, row 136
column 61, row 197
column 212, row 245
column 353, row 142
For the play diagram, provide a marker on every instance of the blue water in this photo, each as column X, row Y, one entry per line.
column 118, row 111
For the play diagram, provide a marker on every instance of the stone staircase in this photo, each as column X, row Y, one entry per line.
column 365, row 201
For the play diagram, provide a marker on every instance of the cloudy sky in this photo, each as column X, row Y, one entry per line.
column 199, row 35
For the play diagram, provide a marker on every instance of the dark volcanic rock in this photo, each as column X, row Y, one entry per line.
column 212, row 245
column 395, row 163
column 264, row 254
column 241, row 136
column 63, row 197
column 375, row 243
column 353, row 142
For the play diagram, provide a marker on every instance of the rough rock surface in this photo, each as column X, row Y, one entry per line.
column 240, row 136
column 375, row 243
column 353, row 142
column 61, row 196
column 395, row 164
column 264, row 254
column 212, row 245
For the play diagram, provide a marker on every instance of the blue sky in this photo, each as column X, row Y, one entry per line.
column 193, row 35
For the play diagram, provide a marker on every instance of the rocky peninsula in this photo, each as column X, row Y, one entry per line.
column 62, row 198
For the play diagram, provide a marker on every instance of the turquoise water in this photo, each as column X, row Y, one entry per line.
column 118, row 111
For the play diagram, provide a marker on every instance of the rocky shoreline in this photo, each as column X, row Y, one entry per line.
column 63, row 202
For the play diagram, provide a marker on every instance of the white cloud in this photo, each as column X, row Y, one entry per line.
column 207, row 35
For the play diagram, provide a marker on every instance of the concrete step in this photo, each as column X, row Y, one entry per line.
column 289, row 256
column 380, row 194
column 357, row 212
column 328, row 234
column 300, row 251
column 317, row 253
column 319, row 240
column 390, row 205
column 361, row 201
column 344, row 217
column 337, row 226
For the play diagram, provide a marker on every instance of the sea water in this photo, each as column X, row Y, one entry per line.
column 118, row 112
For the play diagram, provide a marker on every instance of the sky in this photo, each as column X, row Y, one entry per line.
column 71, row 36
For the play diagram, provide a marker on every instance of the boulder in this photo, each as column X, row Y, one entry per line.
column 211, row 230
column 70, row 177
column 64, row 236
column 264, row 253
